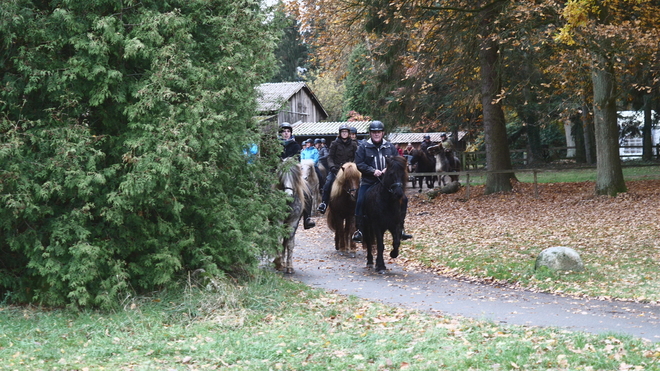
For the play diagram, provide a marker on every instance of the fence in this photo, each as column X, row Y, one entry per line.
column 477, row 159
column 483, row 173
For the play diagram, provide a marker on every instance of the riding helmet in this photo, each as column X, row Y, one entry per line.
column 317, row 140
column 286, row 125
column 353, row 130
column 376, row 126
column 343, row 127
column 427, row 137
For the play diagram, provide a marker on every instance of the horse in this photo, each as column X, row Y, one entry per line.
column 312, row 180
column 385, row 207
column 341, row 210
column 293, row 184
column 443, row 165
column 425, row 163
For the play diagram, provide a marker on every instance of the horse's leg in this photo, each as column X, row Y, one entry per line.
column 288, row 265
column 396, row 241
column 368, row 244
column 380, row 261
column 339, row 237
column 350, row 229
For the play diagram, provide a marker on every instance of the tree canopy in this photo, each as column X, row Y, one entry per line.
column 472, row 65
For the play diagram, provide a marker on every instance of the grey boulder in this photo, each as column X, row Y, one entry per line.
column 560, row 258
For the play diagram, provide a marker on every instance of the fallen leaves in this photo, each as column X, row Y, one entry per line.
column 497, row 237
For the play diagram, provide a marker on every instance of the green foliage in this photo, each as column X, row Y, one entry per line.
column 121, row 146
column 360, row 94
column 291, row 53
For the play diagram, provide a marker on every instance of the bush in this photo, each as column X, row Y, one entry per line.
column 122, row 143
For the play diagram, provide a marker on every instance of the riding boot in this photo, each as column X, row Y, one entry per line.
column 357, row 236
column 405, row 236
column 309, row 223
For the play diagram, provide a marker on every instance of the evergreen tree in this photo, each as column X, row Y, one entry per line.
column 121, row 146
column 291, row 53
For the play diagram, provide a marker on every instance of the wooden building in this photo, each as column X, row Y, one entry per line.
column 291, row 102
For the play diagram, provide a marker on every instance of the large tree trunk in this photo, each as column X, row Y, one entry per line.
column 609, row 178
column 497, row 146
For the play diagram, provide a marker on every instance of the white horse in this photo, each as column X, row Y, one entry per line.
column 293, row 184
column 312, row 180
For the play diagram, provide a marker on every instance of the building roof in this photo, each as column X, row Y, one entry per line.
column 419, row 137
column 271, row 97
column 328, row 128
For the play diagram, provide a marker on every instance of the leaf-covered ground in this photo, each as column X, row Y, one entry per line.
column 498, row 237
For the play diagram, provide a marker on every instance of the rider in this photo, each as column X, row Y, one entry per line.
column 342, row 150
column 291, row 149
column 353, row 130
column 426, row 143
column 370, row 159
column 448, row 147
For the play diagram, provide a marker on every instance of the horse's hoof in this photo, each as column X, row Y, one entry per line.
column 394, row 254
column 342, row 253
column 352, row 255
column 381, row 271
column 288, row 271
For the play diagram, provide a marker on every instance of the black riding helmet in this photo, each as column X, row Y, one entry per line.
column 353, row 130
column 376, row 126
column 286, row 125
column 343, row 127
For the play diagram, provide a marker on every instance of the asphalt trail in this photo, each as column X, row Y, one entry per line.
column 318, row 265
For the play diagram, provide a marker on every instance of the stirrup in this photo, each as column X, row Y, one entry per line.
column 322, row 208
column 357, row 236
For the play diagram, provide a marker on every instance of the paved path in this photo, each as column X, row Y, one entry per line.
column 317, row 264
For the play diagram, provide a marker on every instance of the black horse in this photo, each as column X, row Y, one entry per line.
column 423, row 162
column 385, row 210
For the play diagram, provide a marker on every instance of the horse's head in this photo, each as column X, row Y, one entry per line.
column 396, row 176
column 351, row 179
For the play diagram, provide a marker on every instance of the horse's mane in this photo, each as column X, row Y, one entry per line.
column 290, row 174
column 348, row 170
column 398, row 170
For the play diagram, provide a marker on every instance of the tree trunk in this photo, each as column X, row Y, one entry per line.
column 577, row 132
column 497, row 146
column 589, row 136
column 647, row 140
column 609, row 178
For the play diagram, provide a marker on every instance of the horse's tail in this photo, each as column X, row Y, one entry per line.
column 331, row 220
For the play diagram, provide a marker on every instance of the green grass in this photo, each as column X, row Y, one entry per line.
column 574, row 175
column 274, row 324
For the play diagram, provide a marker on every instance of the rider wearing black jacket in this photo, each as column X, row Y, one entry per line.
column 370, row 159
column 342, row 150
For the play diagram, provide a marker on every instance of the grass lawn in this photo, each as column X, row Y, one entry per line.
column 274, row 324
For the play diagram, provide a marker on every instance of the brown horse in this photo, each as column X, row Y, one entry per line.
column 341, row 211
